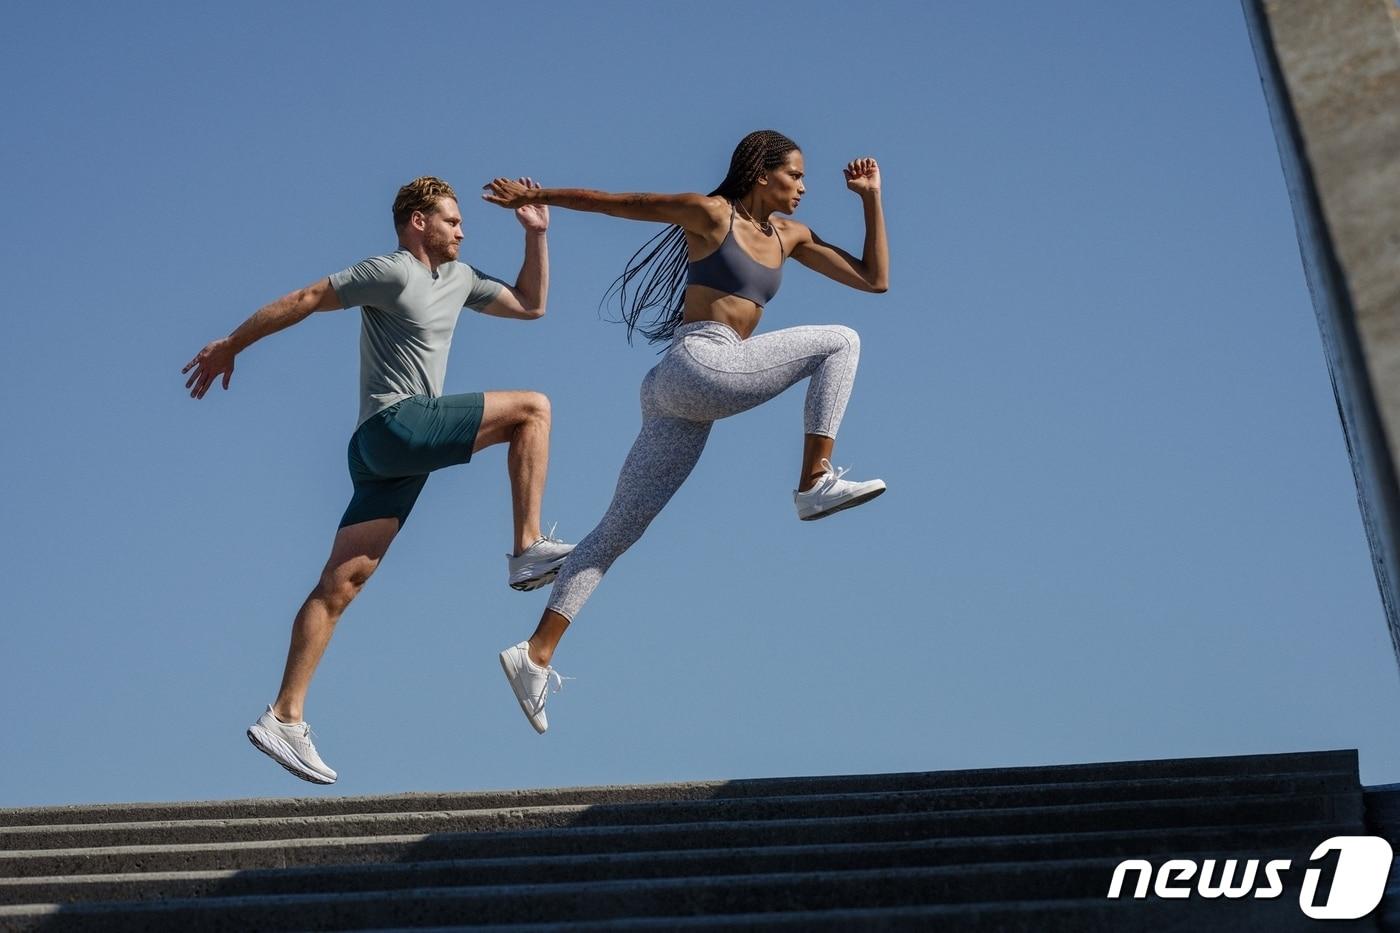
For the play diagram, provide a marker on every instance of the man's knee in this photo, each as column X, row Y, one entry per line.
column 339, row 586
column 538, row 406
column 533, row 409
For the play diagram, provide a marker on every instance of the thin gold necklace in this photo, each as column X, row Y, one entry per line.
column 766, row 227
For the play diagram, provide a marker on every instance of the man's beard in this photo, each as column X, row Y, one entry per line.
column 444, row 250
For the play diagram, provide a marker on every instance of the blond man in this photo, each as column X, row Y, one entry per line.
column 410, row 302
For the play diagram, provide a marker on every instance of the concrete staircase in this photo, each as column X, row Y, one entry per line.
column 1017, row 849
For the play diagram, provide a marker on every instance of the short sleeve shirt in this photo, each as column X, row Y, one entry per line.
column 407, row 316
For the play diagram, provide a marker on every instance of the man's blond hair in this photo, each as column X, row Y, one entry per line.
column 421, row 194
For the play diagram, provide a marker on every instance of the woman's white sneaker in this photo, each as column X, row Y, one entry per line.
column 530, row 683
column 289, row 744
column 830, row 494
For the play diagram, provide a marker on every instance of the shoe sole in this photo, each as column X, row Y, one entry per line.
column 276, row 749
column 534, row 583
column 848, row 504
column 510, row 667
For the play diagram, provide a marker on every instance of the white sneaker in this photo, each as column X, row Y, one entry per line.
column 538, row 564
column 831, row 494
column 530, row 683
column 289, row 744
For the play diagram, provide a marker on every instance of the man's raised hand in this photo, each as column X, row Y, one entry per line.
column 533, row 217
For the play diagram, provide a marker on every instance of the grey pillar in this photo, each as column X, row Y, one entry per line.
column 1331, row 75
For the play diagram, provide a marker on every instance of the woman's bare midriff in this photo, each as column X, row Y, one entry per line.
column 703, row 303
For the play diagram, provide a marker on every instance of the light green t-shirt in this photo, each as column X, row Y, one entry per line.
column 407, row 316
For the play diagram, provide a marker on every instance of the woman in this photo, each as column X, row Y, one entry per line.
column 707, row 278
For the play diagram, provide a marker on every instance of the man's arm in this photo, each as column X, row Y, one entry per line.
column 217, row 358
column 527, row 299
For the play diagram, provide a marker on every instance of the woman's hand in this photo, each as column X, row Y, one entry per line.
column 862, row 176
column 507, row 193
column 533, row 216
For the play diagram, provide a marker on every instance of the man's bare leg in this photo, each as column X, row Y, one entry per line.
column 522, row 420
column 355, row 555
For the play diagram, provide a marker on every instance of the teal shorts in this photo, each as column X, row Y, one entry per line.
column 393, row 452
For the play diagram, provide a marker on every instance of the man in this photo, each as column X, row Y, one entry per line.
column 410, row 301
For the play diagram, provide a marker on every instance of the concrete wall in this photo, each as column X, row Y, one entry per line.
column 1331, row 76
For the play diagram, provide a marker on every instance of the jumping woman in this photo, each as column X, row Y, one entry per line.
column 706, row 279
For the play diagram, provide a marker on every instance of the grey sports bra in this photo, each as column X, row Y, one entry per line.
column 731, row 270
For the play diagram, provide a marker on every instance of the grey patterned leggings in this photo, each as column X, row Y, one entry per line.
column 708, row 373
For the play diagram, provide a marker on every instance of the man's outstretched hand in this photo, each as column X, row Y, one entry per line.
column 208, row 364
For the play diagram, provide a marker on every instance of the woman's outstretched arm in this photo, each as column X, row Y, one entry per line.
column 871, row 272
column 693, row 212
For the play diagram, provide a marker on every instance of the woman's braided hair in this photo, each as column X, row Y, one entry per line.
column 660, row 264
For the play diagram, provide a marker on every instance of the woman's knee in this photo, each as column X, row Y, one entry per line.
column 847, row 334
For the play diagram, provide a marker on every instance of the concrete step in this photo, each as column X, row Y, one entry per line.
column 1301, row 790
column 752, row 860
column 567, row 827
column 1312, row 763
column 1093, row 915
column 233, row 830
column 995, row 849
column 282, row 854
column 709, row 896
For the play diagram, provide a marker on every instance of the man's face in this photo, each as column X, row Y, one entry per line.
column 442, row 231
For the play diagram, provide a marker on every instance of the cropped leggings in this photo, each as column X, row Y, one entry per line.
column 708, row 373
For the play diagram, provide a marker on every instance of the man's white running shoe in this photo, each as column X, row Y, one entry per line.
column 530, row 682
column 538, row 564
column 831, row 494
column 289, row 744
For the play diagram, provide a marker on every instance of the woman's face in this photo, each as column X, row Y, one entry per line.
column 782, row 187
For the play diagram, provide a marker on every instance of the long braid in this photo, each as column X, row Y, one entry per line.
column 661, row 262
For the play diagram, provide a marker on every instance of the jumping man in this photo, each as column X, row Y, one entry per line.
column 410, row 300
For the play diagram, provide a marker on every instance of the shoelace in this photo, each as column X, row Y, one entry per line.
column 550, row 674
column 831, row 478
column 546, row 538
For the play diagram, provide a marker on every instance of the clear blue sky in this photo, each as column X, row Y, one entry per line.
column 1121, row 520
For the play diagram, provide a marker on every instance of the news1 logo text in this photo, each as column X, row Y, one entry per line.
column 1358, row 875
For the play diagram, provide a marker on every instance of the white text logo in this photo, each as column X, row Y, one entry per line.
column 1358, row 876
